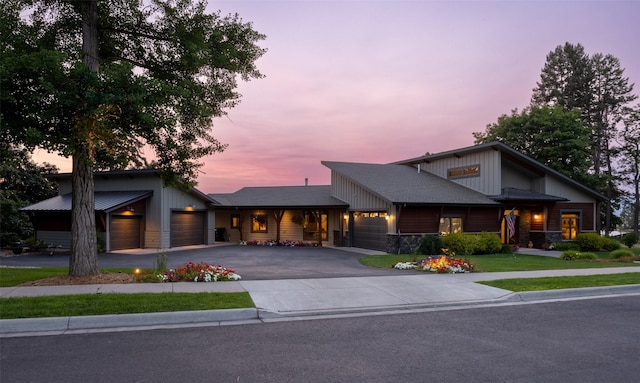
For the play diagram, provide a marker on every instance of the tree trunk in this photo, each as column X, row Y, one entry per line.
column 84, row 254
column 278, row 214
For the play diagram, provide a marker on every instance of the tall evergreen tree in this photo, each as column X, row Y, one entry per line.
column 597, row 88
column 630, row 163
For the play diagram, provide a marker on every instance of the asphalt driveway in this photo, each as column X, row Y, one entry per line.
column 251, row 262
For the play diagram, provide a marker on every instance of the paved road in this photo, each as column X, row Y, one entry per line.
column 251, row 262
column 593, row 340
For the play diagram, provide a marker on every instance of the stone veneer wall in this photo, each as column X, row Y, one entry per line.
column 538, row 238
column 403, row 244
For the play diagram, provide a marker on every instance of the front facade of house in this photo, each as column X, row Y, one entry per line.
column 387, row 207
column 286, row 213
column 133, row 210
column 469, row 190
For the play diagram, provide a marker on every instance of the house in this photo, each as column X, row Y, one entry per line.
column 389, row 207
column 292, row 213
column 133, row 210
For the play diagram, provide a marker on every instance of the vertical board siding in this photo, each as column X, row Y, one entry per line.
column 355, row 195
column 558, row 188
column 489, row 180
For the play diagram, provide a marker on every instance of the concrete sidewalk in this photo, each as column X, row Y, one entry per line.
column 295, row 298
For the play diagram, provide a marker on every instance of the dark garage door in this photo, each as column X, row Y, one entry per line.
column 125, row 232
column 370, row 233
column 187, row 228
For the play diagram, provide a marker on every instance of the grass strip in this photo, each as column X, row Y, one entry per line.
column 554, row 283
column 502, row 262
column 103, row 304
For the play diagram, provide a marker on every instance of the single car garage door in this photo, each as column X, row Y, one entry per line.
column 370, row 233
column 187, row 228
column 125, row 232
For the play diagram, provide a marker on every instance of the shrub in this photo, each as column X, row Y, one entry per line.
column 630, row 239
column 589, row 241
column 564, row 246
column 620, row 253
column 458, row 243
column 430, row 245
column 468, row 244
column 488, row 243
column 571, row 255
column 610, row 244
column 506, row 249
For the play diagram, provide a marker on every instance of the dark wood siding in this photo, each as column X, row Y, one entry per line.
column 187, row 228
column 125, row 232
column 427, row 219
column 586, row 215
column 482, row 219
column 419, row 220
column 370, row 233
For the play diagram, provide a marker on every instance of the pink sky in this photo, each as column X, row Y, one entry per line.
column 380, row 81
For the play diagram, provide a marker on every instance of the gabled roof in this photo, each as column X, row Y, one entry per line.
column 279, row 197
column 405, row 184
column 104, row 201
column 513, row 194
column 512, row 153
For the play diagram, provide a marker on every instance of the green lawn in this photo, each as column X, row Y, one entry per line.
column 503, row 262
column 103, row 304
column 553, row 283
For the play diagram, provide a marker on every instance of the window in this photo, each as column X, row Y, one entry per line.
column 235, row 221
column 465, row 171
column 259, row 223
column 570, row 225
column 450, row 225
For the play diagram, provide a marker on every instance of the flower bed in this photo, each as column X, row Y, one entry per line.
column 440, row 265
column 273, row 242
column 197, row 272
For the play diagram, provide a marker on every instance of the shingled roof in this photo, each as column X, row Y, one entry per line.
column 280, row 197
column 104, row 201
column 405, row 184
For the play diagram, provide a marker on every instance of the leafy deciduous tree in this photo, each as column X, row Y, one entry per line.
column 22, row 182
column 99, row 80
column 552, row 136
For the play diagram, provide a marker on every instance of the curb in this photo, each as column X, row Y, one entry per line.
column 61, row 325
column 78, row 324
column 583, row 292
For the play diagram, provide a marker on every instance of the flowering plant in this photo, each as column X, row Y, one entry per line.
column 273, row 242
column 446, row 264
column 440, row 265
column 405, row 265
column 198, row 272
